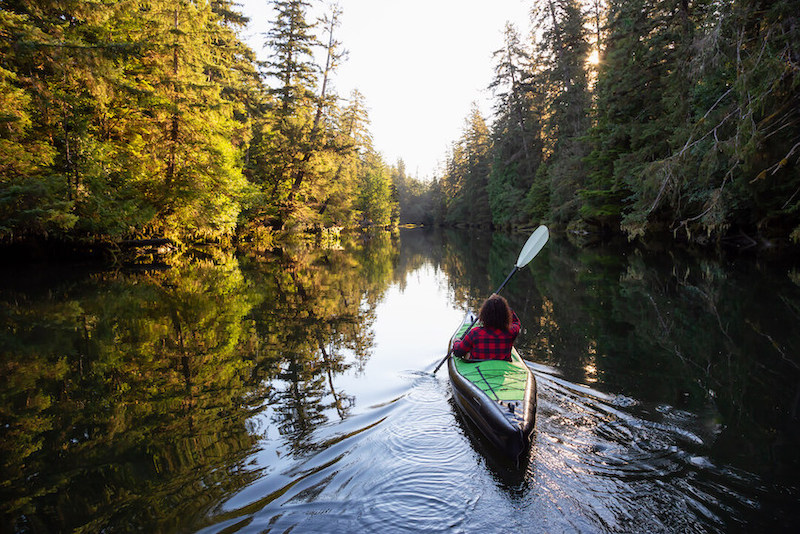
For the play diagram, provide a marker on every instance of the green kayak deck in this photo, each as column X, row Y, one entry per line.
column 500, row 380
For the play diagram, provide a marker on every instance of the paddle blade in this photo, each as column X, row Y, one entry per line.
column 532, row 247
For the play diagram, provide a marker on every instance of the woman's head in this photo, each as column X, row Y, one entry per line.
column 496, row 313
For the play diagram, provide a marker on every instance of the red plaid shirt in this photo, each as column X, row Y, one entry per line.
column 488, row 343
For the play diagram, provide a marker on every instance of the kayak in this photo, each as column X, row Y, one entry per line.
column 498, row 396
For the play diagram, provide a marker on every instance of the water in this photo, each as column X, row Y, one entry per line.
column 293, row 391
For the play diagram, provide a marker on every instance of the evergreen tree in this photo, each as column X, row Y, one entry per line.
column 477, row 141
column 516, row 133
column 31, row 200
column 291, row 62
column 339, row 185
column 690, row 99
column 375, row 202
column 281, row 136
column 333, row 56
column 141, row 136
column 642, row 98
column 564, row 42
column 512, row 86
column 733, row 166
column 452, row 187
column 202, row 182
column 295, row 139
column 466, row 177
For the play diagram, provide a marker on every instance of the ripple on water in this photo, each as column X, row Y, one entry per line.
column 432, row 394
column 425, row 472
column 425, row 438
column 595, row 437
column 425, row 431
column 408, row 499
column 629, row 463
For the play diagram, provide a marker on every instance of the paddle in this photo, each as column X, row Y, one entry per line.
column 533, row 245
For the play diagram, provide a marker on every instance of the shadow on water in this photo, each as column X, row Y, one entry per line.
column 283, row 392
column 511, row 476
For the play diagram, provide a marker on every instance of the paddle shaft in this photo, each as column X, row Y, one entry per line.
column 499, row 289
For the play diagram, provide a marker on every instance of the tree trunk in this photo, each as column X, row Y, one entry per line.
column 173, row 136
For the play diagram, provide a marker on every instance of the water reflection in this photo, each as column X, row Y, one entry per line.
column 291, row 390
column 127, row 397
column 111, row 383
column 674, row 329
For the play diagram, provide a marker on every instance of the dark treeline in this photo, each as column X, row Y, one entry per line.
column 122, row 120
column 637, row 117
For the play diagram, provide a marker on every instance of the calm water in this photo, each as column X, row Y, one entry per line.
column 292, row 391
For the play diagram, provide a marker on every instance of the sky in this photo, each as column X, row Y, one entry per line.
column 420, row 65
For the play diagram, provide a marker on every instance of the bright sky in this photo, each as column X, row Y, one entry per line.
column 419, row 63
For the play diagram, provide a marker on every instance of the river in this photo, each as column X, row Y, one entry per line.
column 292, row 390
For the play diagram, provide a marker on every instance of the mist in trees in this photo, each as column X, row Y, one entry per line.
column 676, row 118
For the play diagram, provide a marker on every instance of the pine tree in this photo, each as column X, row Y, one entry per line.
column 339, row 185
column 291, row 62
column 516, row 133
column 333, row 56
column 564, row 41
column 297, row 136
column 512, row 85
column 644, row 93
column 31, row 201
column 734, row 162
column 466, row 176
column 477, row 143
column 138, row 114
column 374, row 202
column 202, row 180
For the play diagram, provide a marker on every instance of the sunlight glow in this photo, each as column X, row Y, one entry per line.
column 420, row 65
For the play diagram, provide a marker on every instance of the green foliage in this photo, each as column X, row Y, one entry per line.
column 538, row 197
column 291, row 42
column 130, row 116
column 375, row 200
column 506, row 201
column 565, row 42
column 121, row 120
column 517, row 131
column 689, row 123
column 416, row 198
column 466, row 177
column 32, row 200
column 691, row 153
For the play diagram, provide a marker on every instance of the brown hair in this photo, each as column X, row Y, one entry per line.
column 495, row 313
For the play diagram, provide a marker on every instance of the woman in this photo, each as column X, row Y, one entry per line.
column 494, row 339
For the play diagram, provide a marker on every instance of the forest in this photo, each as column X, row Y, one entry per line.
column 130, row 120
column 670, row 119
column 126, row 120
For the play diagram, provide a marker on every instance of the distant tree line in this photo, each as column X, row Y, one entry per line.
column 639, row 117
column 121, row 120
